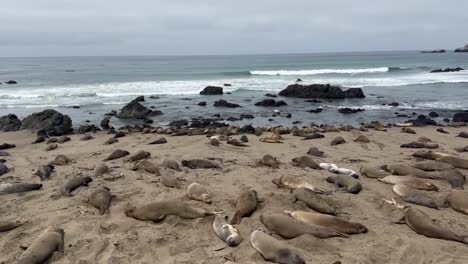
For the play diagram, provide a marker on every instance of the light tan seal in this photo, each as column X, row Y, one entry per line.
column 337, row 141
column 418, row 145
column 170, row 180
column 314, row 151
column 432, row 165
column 315, row 201
column 410, row 181
column 362, row 139
column 274, row 250
column 289, row 227
column 404, row 170
column 373, row 172
column 171, row 164
column 422, row 224
column 292, row 183
column 428, row 154
column 101, row 199
column 226, row 232
column 269, row 161
column 10, row 225
column 111, row 141
column 246, row 204
column 196, row 191
column 328, row 221
column 158, row 211
column 411, row 195
column 100, row 169
column 458, row 200
column 117, row 154
column 42, row 248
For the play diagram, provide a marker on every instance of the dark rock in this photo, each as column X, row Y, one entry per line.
column 299, row 80
column 422, row 120
column 316, row 111
column 271, row 102
column 154, row 97
column 148, row 121
column 271, row 119
column 111, row 113
column 247, row 116
column 433, row 114
column 320, row 91
column 53, row 122
column 7, row 146
column 434, row 51
column 231, row 119
column 312, row 101
column 395, row 104
column 152, row 107
column 42, row 133
column 202, row 103
column 228, row 93
column 105, row 123
column 448, row 70
column 9, row 122
column 464, row 49
column 227, row 84
column 270, row 95
column 461, row 117
column 212, row 90
column 217, row 115
column 247, row 129
column 297, row 122
column 139, row 99
column 11, row 82
column 446, row 120
column 348, row 110
column 276, row 113
column 136, row 110
column 179, row 123
column 186, row 99
column 88, row 128
column 224, row 103
column 288, row 115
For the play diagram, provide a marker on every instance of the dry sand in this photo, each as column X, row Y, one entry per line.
column 115, row 238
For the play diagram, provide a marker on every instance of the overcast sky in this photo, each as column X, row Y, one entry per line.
column 175, row 27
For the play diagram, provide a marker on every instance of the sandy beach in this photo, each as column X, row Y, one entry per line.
column 115, row 238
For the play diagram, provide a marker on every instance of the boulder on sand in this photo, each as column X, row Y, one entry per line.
column 53, row 122
column 9, row 122
column 136, row 110
column 212, row 90
column 321, row 91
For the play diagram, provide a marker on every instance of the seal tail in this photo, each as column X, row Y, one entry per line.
column 236, row 219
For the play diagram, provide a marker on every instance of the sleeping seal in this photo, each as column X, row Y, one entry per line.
column 455, row 161
column 101, row 199
column 414, row 196
column 139, row 155
column 274, row 250
column 9, row 225
column 116, row 154
column 44, row 172
column 246, row 204
column 292, row 183
column 373, row 172
column 73, row 183
column 346, row 183
column 200, row 164
column 269, row 161
column 9, row 188
column 43, row 247
column 197, row 192
column 226, row 232
column 431, row 165
column 171, row 164
column 410, row 181
column 305, row 161
column 315, row 201
column 458, row 200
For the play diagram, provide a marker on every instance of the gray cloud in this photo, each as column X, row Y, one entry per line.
column 156, row 27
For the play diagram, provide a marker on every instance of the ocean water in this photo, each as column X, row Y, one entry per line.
column 100, row 84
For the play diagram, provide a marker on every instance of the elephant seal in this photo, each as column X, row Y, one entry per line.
column 51, row 146
column 117, row 154
column 455, row 161
column 44, row 172
column 458, row 200
column 422, row 224
column 432, row 165
column 462, row 149
column 171, row 164
column 63, row 139
column 86, row 137
column 373, row 172
column 244, row 139
column 3, row 169
column 274, row 250
column 9, row 225
column 414, row 196
column 101, row 199
column 147, row 166
column 442, row 130
column 61, row 160
column 337, row 141
column 362, row 139
column 408, row 130
column 305, row 161
column 289, row 227
column 410, row 181
column 111, row 141
column 417, row 144
column 246, row 204
column 158, row 211
column 4, row 154
column 169, row 180
column 347, row 183
column 100, row 169
column 428, row 154
column 463, row 134
column 158, row 141
column 9, row 188
column 313, row 136
column 236, row 143
column 226, row 232
column 314, row 201
column 404, row 170
column 292, row 183
column 214, row 142
column 4, row 146
column 314, row 151
column 39, row 139
column 197, row 192
column 43, row 247
column 141, row 154
column 328, row 221
column 200, row 164
column 454, row 177
column 269, row 161
column 73, row 183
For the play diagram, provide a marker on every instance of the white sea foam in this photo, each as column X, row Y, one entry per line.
column 319, row 71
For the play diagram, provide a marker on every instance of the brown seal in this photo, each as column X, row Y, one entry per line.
column 9, row 188
column 305, row 161
column 458, row 200
column 292, row 183
column 226, row 232
column 157, row 211
column 328, row 221
column 428, row 154
column 289, row 227
column 315, row 201
column 117, row 154
column 141, row 154
column 315, row 152
column 422, row 224
column 463, row 134
column 158, row 141
column 462, row 149
column 10, row 225
column 269, row 161
column 148, row 166
column 236, row 143
column 61, row 160
column 101, row 199
column 169, row 180
column 313, row 136
column 100, row 169
column 408, row 130
column 373, row 172
column 274, row 250
column 244, row 139
column 7, row 146
column 86, row 137
column 214, row 142
column 337, row 141
column 410, row 181
column 111, row 141
column 442, row 130
column 3, row 169
column 455, row 161
column 51, row 146
column 362, row 139
column 200, row 164
column 432, row 165
column 63, row 139
column 197, row 192
column 43, row 247
column 73, row 183
column 417, row 144
column 404, row 170
column 246, row 204
column 411, row 195
column 171, row 164
column 346, row 183
column 39, row 139
column 44, row 172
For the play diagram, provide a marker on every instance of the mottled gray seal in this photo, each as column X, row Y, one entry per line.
column 246, row 204
column 410, row 181
column 10, row 225
column 432, row 165
column 197, row 192
column 346, row 183
column 458, row 200
column 101, row 199
column 328, row 221
column 274, row 250
column 422, row 224
column 305, row 161
column 411, row 195
column 44, row 171
column 315, row 201
column 200, row 164
column 373, row 172
column 171, row 164
column 148, row 166
column 61, row 160
column 100, row 169
column 43, row 247
column 73, row 183
column 269, row 161
column 9, row 188
column 292, row 183
column 139, row 155
column 314, row 151
column 117, row 154
column 337, row 141
column 226, row 232
column 289, row 227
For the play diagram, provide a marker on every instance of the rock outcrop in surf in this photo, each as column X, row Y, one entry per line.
column 321, row 91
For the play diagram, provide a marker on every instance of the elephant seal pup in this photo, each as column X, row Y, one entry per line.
column 244, row 139
column 410, row 181
column 314, row 151
column 274, row 250
column 214, row 142
column 455, row 161
column 373, row 172
column 226, row 232
column 61, row 160
column 269, row 161
column 158, row 141
column 458, row 200
column 292, row 183
column 422, row 224
column 289, row 227
column 157, row 211
column 347, row 183
column 404, row 170
column 44, row 172
column 9, row 225
column 305, row 161
column 100, row 169
column 408, row 130
column 337, row 141
column 86, row 137
column 117, row 154
column 111, row 141
column 314, row 201
column 328, row 221
column 63, row 139
column 147, row 166
column 39, row 139
column 454, row 177
column 141, row 154
column 200, row 164
column 428, row 154
column 43, row 247
column 101, row 199
column 9, row 188
column 431, row 165
column 463, row 134
column 417, row 144
column 236, row 143
column 196, row 191
column 73, row 183
column 462, row 149
column 169, row 180
column 246, row 204
column 414, row 196
column 51, row 146
column 171, row 164
column 3, row 169
column 7, row 146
